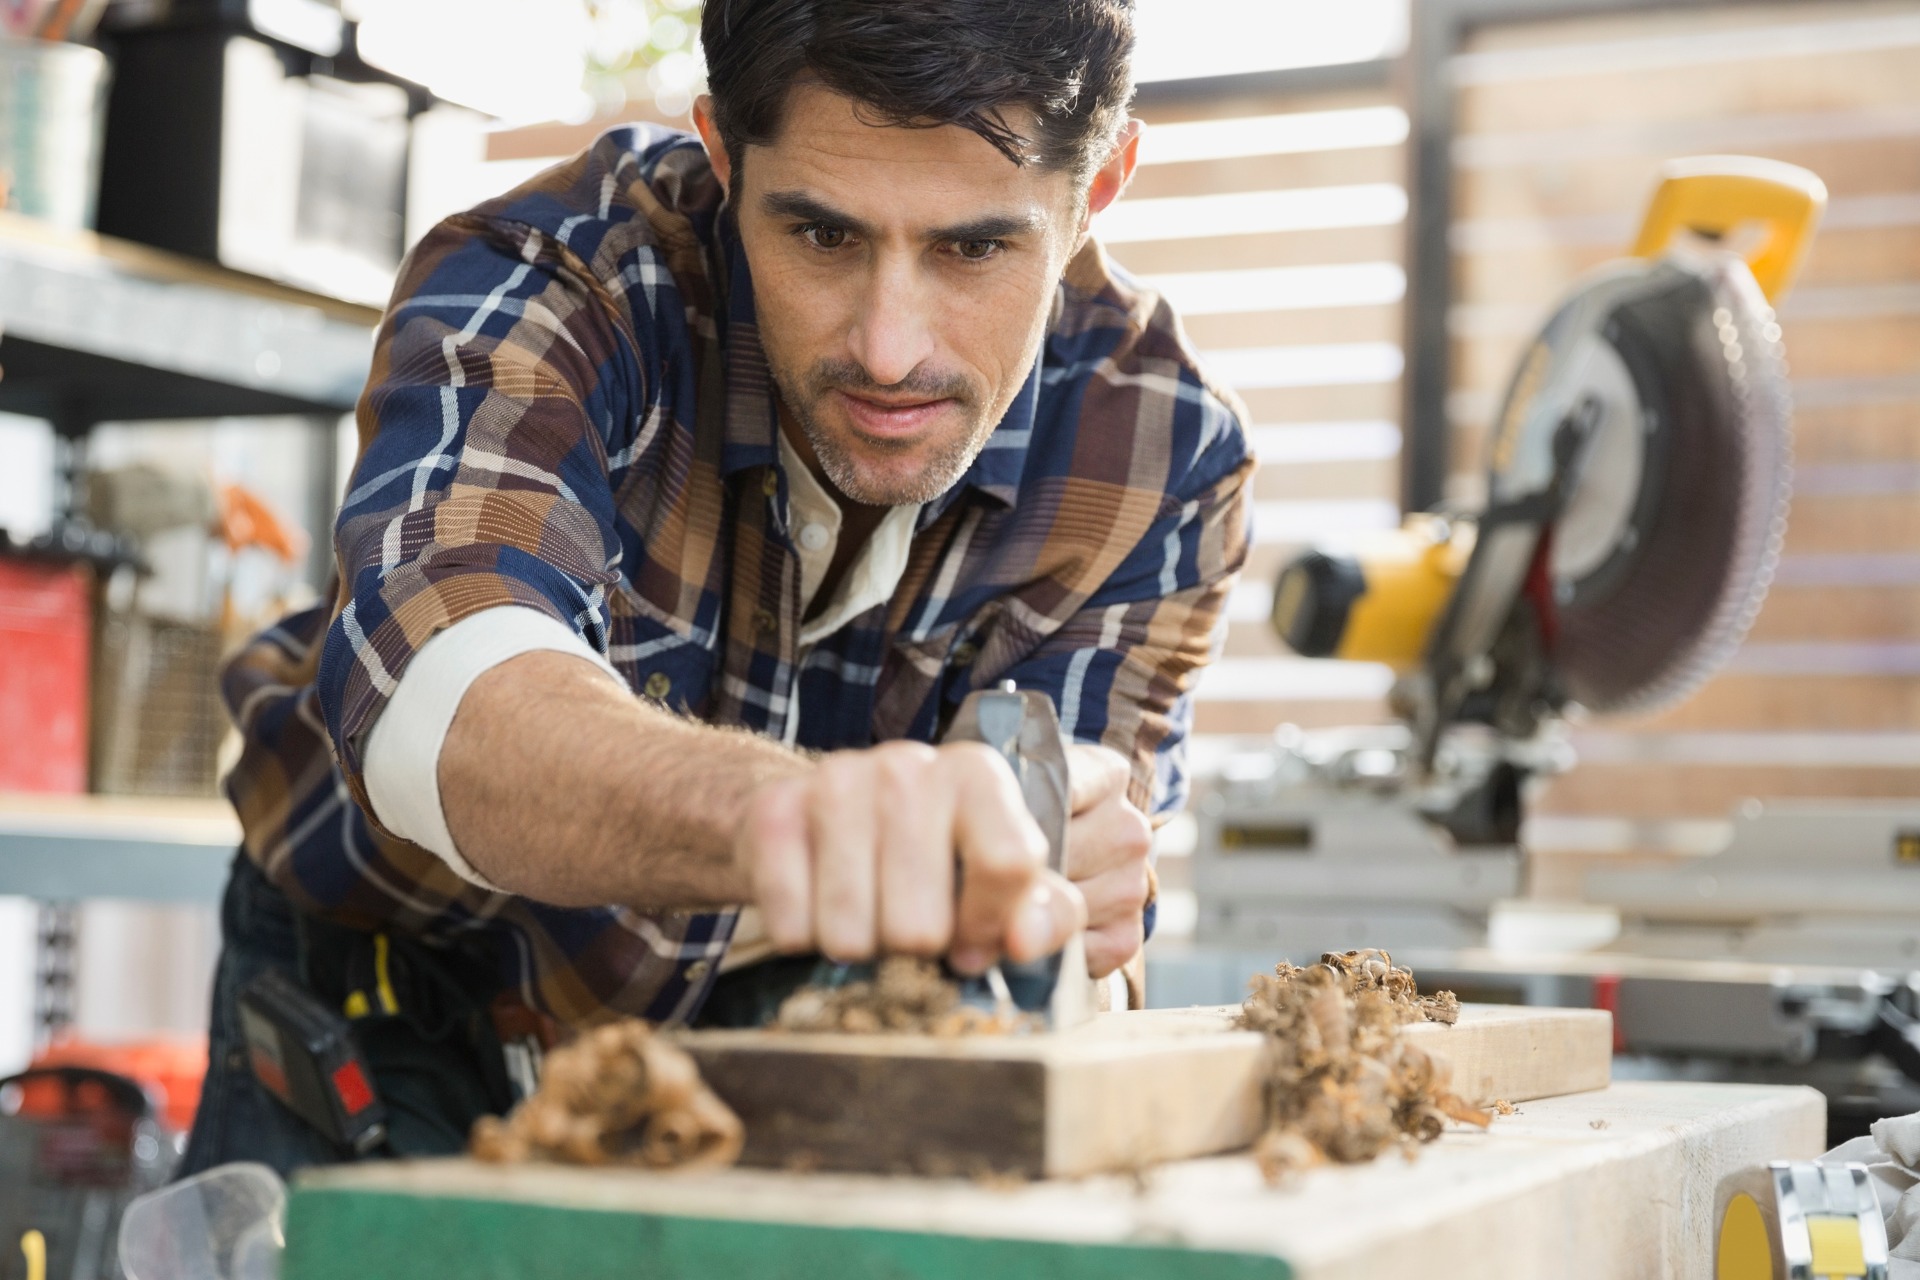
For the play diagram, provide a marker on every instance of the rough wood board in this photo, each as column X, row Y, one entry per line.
column 1605, row 1185
column 1126, row 1090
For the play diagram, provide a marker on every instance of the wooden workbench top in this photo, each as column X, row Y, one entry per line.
column 1614, row 1183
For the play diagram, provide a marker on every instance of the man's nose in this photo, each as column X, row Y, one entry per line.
column 893, row 332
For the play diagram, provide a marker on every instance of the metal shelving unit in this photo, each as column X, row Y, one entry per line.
column 93, row 330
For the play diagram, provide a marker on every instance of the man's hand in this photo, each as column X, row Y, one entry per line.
column 858, row 857
column 1107, row 847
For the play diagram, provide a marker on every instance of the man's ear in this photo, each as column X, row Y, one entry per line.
column 710, row 138
column 1113, row 176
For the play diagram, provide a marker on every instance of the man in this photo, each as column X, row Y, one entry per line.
column 799, row 431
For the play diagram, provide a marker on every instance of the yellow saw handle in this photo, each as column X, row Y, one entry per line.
column 1712, row 195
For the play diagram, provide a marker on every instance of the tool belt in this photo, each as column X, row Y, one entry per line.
column 388, row 1044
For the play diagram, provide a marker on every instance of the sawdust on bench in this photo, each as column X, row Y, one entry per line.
column 1344, row 1084
column 619, row 1094
column 905, row 995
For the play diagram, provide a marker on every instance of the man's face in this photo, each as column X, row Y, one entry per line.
column 903, row 280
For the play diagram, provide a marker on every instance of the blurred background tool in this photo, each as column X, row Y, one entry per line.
column 1638, row 487
column 77, row 1144
column 1800, row 1218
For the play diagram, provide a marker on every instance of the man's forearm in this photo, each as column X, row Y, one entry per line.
column 559, row 786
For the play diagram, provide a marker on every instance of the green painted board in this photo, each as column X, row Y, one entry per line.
column 336, row 1233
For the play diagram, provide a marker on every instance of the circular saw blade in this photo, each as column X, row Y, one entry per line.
column 1674, row 525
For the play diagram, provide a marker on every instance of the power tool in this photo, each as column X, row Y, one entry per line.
column 303, row 1053
column 1637, row 483
column 1638, row 478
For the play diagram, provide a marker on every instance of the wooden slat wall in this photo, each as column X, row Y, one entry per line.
column 1561, row 128
column 1330, row 449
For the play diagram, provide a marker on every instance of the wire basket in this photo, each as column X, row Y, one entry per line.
column 158, row 719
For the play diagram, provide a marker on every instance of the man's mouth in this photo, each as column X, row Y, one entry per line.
column 892, row 418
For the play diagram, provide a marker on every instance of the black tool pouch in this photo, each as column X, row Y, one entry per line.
column 420, row 1016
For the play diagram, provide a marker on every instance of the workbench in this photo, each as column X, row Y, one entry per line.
column 1618, row 1182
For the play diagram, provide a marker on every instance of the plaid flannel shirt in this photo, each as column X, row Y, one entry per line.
column 569, row 409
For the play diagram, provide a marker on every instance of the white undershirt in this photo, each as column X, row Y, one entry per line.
column 403, row 749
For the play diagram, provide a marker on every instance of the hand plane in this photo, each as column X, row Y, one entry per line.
column 1023, row 728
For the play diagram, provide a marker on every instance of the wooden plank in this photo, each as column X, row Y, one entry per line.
column 1699, row 91
column 1576, row 184
column 1614, row 1184
column 1305, row 326
column 1236, row 106
column 1511, row 1053
column 1857, row 433
column 1837, row 614
column 1345, row 167
column 1126, row 1090
column 1370, row 402
column 1878, row 522
column 1737, row 702
column 1322, row 481
column 1272, row 249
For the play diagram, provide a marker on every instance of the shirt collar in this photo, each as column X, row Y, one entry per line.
column 751, row 426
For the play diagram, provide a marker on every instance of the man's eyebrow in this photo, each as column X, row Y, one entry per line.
column 798, row 204
column 993, row 226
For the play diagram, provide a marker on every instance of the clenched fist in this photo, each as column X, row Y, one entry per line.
column 859, row 857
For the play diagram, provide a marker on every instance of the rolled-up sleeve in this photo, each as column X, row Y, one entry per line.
column 498, row 376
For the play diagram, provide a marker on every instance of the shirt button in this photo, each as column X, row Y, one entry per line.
column 814, row 537
column 765, row 620
column 659, row 685
column 964, row 653
column 697, row 970
column 770, row 483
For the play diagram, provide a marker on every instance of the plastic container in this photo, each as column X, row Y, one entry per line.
column 53, row 101
column 224, row 1224
column 170, row 1070
column 45, row 616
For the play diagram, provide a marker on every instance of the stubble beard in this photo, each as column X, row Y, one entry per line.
column 952, row 456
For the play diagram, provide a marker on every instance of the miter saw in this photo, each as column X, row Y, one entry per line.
column 1637, row 488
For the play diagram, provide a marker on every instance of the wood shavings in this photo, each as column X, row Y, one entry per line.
column 1501, row 1107
column 1344, row 1085
column 1597, row 1124
column 906, row 995
column 617, row 1095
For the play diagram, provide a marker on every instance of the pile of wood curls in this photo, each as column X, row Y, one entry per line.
column 618, row 1095
column 1343, row 1084
column 906, row 995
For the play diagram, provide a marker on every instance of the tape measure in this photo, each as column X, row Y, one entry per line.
column 1800, row 1220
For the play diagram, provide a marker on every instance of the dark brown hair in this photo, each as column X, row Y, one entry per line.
column 923, row 63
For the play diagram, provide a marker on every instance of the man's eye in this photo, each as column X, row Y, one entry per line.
column 824, row 237
column 977, row 250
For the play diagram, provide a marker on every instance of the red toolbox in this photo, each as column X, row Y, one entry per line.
column 45, row 629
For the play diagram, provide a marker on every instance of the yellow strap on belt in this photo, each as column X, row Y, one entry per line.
column 383, row 980
column 34, row 1245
